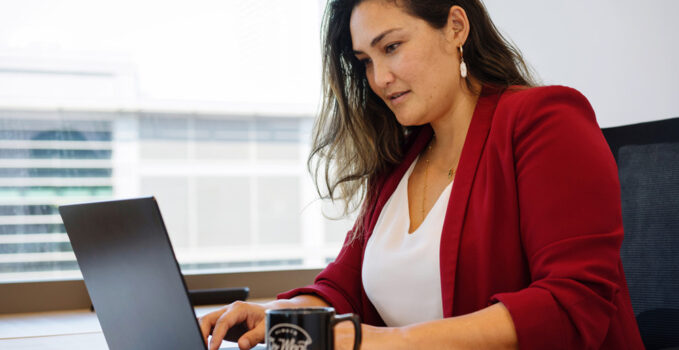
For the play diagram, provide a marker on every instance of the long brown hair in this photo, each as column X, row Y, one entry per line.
column 356, row 137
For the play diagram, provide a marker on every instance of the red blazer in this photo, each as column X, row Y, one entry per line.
column 533, row 221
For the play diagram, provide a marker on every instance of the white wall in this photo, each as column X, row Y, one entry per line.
column 623, row 54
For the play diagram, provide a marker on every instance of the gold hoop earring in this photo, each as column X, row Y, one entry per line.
column 463, row 66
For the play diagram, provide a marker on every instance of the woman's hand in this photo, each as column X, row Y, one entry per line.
column 251, row 315
column 219, row 322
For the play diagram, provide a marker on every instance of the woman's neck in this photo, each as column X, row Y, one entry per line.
column 451, row 130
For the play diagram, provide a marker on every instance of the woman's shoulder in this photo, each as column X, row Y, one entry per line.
column 543, row 96
column 532, row 104
column 522, row 111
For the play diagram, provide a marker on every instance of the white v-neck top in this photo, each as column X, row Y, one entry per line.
column 401, row 272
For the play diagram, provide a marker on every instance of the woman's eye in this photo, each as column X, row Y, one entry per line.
column 391, row 47
column 366, row 61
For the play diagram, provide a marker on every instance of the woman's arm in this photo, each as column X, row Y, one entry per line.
column 570, row 223
column 489, row 328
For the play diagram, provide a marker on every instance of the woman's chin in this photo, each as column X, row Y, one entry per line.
column 409, row 121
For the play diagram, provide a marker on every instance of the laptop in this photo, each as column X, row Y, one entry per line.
column 132, row 275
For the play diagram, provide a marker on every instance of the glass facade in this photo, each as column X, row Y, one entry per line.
column 233, row 190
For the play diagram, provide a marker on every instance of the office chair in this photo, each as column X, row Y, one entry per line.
column 647, row 155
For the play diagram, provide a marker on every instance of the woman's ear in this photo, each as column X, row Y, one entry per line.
column 457, row 26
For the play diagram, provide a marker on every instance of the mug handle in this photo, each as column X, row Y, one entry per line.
column 356, row 320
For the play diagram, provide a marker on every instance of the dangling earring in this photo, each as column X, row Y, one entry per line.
column 463, row 66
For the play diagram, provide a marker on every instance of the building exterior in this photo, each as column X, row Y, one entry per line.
column 232, row 186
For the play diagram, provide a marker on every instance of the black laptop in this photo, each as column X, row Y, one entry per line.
column 132, row 275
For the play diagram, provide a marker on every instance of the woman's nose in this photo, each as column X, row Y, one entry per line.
column 382, row 75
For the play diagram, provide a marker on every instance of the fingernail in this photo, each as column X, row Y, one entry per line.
column 246, row 344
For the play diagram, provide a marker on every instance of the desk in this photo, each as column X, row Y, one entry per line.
column 72, row 330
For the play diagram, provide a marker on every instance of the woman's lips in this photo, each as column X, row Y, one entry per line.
column 398, row 97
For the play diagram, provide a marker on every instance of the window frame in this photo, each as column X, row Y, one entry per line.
column 71, row 294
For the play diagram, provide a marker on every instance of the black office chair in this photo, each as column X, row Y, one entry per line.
column 648, row 165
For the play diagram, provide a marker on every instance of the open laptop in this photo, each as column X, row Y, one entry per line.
column 132, row 275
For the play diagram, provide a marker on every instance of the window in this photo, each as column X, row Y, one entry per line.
column 233, row 190
column 209, row 110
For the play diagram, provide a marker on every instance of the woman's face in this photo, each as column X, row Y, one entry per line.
column 413, row 67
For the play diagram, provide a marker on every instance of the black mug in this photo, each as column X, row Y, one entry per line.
column 306, row 328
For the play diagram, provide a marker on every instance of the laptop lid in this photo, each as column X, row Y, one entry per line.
column 132, row 275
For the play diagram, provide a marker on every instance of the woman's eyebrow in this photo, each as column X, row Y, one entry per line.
column 378, row 38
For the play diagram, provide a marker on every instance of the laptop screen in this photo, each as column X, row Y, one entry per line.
column 131, row 274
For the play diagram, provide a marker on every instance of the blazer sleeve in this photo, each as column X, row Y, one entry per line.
column 339, row 284
column 570, row 222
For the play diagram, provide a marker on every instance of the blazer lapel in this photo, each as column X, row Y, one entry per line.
column 457, row 204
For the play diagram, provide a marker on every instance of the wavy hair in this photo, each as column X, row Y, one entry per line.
column 356, row 137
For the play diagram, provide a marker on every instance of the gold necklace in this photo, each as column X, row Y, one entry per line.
column 451, row 172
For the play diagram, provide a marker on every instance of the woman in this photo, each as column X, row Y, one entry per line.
column 491, row 215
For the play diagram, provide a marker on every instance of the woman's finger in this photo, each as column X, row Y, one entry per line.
column 236, row 313
column 250, row 338
column 207, row 321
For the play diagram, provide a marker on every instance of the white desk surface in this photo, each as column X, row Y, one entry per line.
column 73, row 330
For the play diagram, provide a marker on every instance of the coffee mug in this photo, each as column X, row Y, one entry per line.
column 306, row 328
